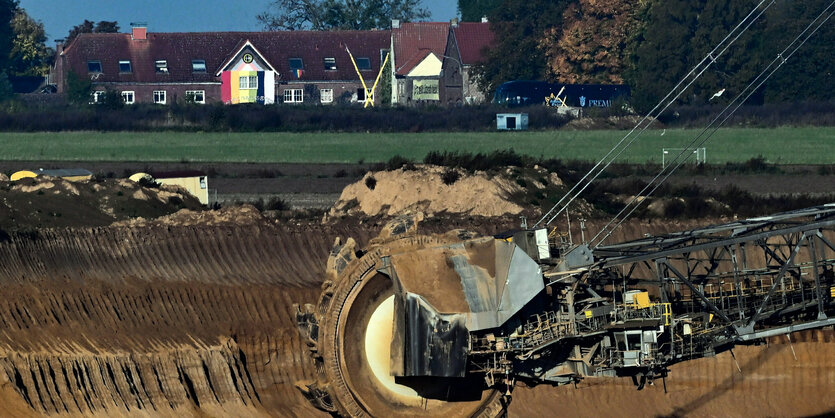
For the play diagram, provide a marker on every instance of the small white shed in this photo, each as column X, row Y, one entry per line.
column 512, row 121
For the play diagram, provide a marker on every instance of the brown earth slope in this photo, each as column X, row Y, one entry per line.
column 168, row 320
column 192, row 314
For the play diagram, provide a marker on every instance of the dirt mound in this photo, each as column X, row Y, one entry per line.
column 47, row 202
column 236, row 215
column 431, row 190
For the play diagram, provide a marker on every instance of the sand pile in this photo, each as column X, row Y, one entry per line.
column 49, row 202
column 423, row 189
column 238, row 215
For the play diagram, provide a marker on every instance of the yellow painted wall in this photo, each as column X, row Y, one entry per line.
column 192, row 185
column 429, row 67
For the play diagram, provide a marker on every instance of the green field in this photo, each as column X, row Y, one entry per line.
column 806, row 145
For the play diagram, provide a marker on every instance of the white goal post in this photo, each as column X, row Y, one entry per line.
column 671, row 153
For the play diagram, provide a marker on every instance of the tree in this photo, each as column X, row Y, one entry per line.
column 662, row 52
column 808, row 74
column 79, row 88
column 590, row 46
column 87, row 26
column 519, row 26
column 6, row 91
column 474, row 10
column 677, row 34
column 106, row 26
column 339, row 14
column 8, row 8
column 29, row 55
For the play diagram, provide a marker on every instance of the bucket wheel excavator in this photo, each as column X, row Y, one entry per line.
column 445, row 325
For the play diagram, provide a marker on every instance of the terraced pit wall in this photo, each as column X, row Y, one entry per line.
column 196, row 321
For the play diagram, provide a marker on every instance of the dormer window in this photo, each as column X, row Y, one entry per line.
column 296, row 64
column 330, row 63
column 125, row 67
column 364, row 63
column 94, row 66
column 162, row 66
column 198, row 66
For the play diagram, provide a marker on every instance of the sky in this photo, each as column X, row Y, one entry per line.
column 171, row 16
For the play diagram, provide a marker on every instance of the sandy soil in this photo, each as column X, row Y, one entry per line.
column 184, row 318
column 192, row 315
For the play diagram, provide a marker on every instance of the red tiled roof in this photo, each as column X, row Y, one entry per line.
column 473, row 38
column 179, row 49
column 414, row 41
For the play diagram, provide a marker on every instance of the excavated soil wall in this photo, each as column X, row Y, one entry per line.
column 171, row 321
column 165, row 320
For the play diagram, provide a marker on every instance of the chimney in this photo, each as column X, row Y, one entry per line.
column 453, row 22
column 484, row 19
column 395, row 23
column 139, row 31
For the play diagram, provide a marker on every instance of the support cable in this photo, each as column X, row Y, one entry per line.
column 663, row 104
column 707, row 132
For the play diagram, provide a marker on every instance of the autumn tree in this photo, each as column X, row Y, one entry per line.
column 339, row 14
column 590, row 45
column 29, row 55
column 519, row 26
column 474, row 10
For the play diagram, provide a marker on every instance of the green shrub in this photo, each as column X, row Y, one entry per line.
column 450, row 176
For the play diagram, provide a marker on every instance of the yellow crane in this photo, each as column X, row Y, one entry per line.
column 369, row 94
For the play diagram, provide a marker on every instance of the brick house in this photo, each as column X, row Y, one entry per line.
column 417, row 58
column 433, row 61
column 465, row 48
column 308, row 67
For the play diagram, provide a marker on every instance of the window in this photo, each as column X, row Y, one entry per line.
column 633, row 341
column 124, row 66
column 330, row 63
column 162, row 66
column 128, row 97
column 94, row 66
column 98, row 96
column 198, row 66
column 248, row 82
column 360, row 94
column 296, row 64
column 196, row 96
column 293, row 96
column 326, row 95
column 364, row 63
column 159, row 96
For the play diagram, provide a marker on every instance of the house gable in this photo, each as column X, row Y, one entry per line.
column 429, row 66
column 246, row 58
